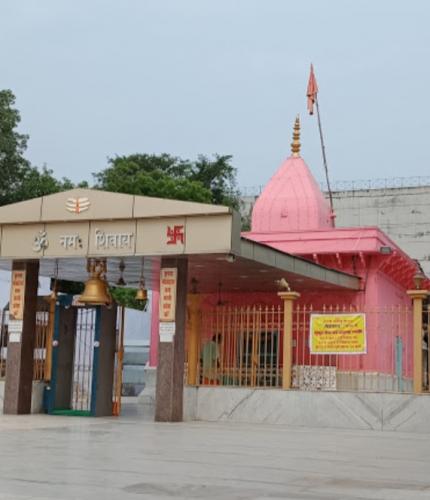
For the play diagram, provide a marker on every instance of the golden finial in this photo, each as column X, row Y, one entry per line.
column 295, row 145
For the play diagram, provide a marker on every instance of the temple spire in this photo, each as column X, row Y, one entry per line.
column 295, row 145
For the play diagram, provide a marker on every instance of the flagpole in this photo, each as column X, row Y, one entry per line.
column 324, row 159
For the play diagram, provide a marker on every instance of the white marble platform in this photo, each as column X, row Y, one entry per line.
column 340, row 410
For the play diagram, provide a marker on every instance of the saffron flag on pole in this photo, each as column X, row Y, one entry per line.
column 312, row 91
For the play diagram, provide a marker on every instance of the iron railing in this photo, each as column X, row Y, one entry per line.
column 385, row 367
column 39, row 354
column 4, row 320
column 356, row 185
column 242, row 346
column 426, row 349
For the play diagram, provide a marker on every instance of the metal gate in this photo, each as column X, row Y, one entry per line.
column 84, row 359
column 119, row 360
column 87, row 338
column 86, row 375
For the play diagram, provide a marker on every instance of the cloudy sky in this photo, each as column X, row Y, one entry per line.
column 97, row 78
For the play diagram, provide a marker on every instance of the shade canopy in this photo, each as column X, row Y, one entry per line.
column 133, row 233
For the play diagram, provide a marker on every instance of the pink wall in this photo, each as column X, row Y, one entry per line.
column 381, row 300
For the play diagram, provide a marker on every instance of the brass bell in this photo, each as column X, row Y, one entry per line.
column 96, row 290
column 141, row 294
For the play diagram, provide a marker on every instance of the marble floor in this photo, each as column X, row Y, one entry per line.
column 132, row 458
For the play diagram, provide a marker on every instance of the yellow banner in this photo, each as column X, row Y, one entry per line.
column 338, row 334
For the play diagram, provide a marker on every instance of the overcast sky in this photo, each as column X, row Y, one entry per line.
column 97, row 78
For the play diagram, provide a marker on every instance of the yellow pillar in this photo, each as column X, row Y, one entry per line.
column 50, row 338
column 417, row 297
column 193, row 337
column 287, row 348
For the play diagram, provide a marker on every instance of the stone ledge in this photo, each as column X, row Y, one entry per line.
column 341, row 410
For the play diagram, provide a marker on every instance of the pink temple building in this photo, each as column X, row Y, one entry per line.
column 292, row 216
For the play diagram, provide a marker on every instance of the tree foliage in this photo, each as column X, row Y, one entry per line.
column 205, row 180
column 13, row 165
column 127, row 297
column 19, row 180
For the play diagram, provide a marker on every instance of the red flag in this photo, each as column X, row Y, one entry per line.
column 312, row 91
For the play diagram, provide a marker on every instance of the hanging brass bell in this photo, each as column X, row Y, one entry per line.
column 141, row 294
column 95, row 292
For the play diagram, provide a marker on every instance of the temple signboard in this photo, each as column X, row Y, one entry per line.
column 167, row 305
column 16, row 307
column 338, row 333
column 168, row 280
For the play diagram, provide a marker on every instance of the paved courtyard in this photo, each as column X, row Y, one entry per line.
column 132, row 458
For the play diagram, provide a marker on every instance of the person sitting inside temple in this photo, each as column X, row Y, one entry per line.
column 209, row 360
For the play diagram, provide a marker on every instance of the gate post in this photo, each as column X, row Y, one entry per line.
column 193, row 337
column 22, row 325
column 417, row 297
column 49, row 339
column 171, row 349
column 288, row 299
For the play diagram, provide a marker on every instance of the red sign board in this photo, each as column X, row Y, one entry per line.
column 16, row 306
column 168, row 280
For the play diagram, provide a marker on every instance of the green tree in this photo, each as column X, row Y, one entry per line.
column 204, row 180
column 20, row 180
column 127, row 297
column 39, row 182
column 13, row 165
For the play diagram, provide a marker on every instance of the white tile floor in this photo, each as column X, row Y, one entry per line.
column 132, row 458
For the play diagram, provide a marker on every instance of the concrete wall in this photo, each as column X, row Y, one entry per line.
column 340, row 410
column 402, row 213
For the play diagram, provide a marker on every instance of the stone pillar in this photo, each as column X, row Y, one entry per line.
column 417, row 297
column 171, row 349
column 22, row 329
column 193, row 338
column 287, row 344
